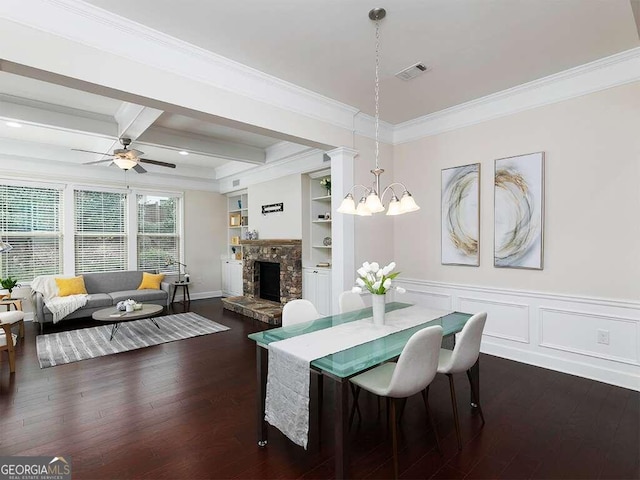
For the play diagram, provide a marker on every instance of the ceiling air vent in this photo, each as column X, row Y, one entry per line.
column 412, row 72
column 235, row 183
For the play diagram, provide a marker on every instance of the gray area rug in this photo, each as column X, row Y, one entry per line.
column 73, row 346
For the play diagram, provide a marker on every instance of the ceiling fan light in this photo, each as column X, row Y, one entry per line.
column 362, row 209
column 348, row 205
column 373, row 203
column 408, row 204
column 394, row 207
column 125, row 163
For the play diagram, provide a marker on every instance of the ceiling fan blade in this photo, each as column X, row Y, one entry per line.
column 90, row 151
column 157, row 162
column 135, row 152
column 98, row 161
column 139, row 168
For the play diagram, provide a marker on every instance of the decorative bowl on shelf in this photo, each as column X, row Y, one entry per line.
column 327, row 241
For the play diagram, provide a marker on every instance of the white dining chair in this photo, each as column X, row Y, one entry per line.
column 414, row 371
column 350, row 301
column 298, row 311
column 463, row 356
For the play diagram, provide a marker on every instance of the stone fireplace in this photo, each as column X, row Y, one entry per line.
column 262, row 255
column 288, row 253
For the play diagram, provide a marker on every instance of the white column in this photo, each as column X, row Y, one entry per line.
column 342, row 226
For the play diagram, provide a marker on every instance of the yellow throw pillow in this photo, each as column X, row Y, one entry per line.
column 70, row 286
column 151, row 281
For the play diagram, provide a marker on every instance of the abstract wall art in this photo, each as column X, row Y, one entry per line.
column 460, row 233
column 519, row 211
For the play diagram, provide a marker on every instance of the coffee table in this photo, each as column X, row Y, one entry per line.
column 112, row 314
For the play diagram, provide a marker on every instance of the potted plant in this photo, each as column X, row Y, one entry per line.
column 9, row 284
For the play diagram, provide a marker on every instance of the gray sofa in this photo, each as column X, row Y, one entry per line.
column 106, row 289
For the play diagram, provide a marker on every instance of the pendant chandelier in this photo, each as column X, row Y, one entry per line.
column 371, row 200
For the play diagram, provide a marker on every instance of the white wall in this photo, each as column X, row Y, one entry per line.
column 591, row 248
column 286, row 224
column 204, row 241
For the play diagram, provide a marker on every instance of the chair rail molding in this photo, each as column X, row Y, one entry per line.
column 555, row 331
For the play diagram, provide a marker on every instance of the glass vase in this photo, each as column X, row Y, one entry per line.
column 378, row 305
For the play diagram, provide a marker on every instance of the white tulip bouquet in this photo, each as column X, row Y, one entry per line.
column 376, row 279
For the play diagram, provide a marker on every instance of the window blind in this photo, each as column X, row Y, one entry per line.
column 30, row 222
column 158, row 233
column 100, row 231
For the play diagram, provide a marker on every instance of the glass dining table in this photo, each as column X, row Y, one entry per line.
column 343, row 365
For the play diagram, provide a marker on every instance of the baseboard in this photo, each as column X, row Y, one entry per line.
column 201, row 295
column 550, row 330
column 606, row 375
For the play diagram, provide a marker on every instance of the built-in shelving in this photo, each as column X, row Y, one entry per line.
column 237, row 223
column 320, row 225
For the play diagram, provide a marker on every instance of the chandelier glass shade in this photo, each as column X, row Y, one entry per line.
column 372, row 199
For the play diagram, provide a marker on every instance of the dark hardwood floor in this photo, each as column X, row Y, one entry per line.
column 186, row 410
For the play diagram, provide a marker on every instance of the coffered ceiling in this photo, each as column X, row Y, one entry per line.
column 46, row 122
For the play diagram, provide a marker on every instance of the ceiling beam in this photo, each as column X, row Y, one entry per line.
column 53, row 116
column 133, row 120
column 166, row 137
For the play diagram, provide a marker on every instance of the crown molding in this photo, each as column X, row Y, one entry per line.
column 365, row 126
column 607, row 72
column 94, row 27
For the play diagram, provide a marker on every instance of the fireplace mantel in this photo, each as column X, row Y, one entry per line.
column 268, row 242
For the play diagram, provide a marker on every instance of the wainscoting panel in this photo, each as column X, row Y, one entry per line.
column 558, row 332
column 504, row 320
column 577, row 332
column 441, row 301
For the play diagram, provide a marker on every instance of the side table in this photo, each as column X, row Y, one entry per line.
column 186, row 298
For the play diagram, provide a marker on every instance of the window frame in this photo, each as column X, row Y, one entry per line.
column 179, row 196
column 6, row 235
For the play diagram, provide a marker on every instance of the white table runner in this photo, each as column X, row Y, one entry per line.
column 287, row 399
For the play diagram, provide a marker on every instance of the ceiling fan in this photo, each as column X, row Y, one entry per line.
column 126, row 158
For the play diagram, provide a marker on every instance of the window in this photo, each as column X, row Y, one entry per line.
column 30, row 222
column 100, row 231
column 158, row 233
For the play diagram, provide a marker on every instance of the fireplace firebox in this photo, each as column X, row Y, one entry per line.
column 269, row 285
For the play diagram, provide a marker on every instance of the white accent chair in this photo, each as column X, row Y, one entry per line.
column 349, row 301
column 8, row 339
column 414, row 371
column 298, row 311
column 463, row 356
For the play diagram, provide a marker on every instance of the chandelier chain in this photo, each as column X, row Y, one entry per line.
column 377, row 89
